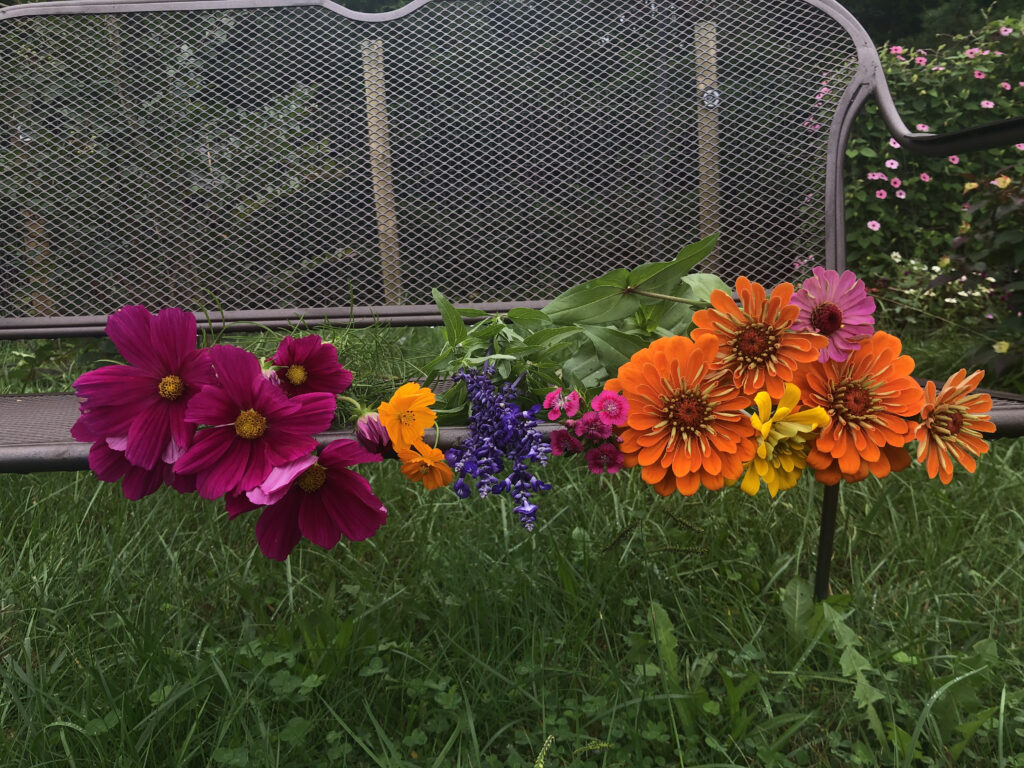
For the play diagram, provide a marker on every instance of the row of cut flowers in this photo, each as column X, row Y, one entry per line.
column 764, row 386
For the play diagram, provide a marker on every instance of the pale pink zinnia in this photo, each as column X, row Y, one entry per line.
column 251, row 426
column 144, row 402
column 310, row 364
column 316, row 497
column 838, row 307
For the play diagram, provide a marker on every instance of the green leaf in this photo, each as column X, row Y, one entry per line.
column 864, row 693
column 104, row 724
column 295, row 731
column 454, row 329
column 238, row 757
column 596, row 301
column 551, row 335
column 664, row 276
column 614, row 348
column 852, row 661
column 797, row 606
column 527, row 316
column 697, row 287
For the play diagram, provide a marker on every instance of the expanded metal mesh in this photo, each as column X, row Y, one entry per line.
column 499, row 150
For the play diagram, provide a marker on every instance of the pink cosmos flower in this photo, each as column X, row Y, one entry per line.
column 896, row 183
column 110, row 465
column 563, row 442
column 925, row 177
column 838, row 307
column 923, row 127
column 1005, row 86
column 310, row 365
column 605, row 458
column 144, row 401
column 979, row 75
column 555, row 402
column 1005, row 31
column 611, row 407
column 900, row 194
column 954, row 159
column 893, row 143
column 592, row 427
column 252, row 426
column 986, row 104
column 317, row 497
column 881, row 194
column 874, row 226
column 891, row 164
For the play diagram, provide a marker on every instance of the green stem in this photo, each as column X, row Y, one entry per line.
column 667, row 297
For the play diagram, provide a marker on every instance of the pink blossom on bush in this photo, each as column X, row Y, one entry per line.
column 925, row 177
column 920, row 60
column 881, row 194
column 1005, row 31
column 979, row 75
column 895, row 49
column 1005, row 86
column 896, row 183
column 894, row 144
column 900, row 194
column 938, row 69
column 1020, row 146
column 874, row 226
column 986, row 104
column 892, row 164
column 972, row 52
column 922, row 127
column 954, row 159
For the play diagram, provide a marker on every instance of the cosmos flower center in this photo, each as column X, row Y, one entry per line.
column 407, row 417
column 827, row 318
column 250, row 424
column 295, row 374
column 686, row 411
column 312, row 479
column 755, row 344
column 171, row 387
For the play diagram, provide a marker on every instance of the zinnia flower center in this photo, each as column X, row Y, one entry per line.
column 755, row 344
column 686, row 411
column 171, row 387
column 296, row 374
column 250, row 424
column 312, row 479
column 853, row 401
column 955, row 423
column 827, row 318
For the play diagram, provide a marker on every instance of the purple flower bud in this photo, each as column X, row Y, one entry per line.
column 372, row 435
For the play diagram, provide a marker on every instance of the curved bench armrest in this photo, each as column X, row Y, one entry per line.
column 1001, row 133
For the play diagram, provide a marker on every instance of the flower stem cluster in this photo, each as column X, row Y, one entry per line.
column 502, row 446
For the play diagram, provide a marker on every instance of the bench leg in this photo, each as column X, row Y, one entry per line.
column 829, row 508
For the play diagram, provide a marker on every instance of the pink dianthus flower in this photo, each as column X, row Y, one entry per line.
column 554, row 401
column 563, row 442
column 591, row 427
column 605, row 458
column 611, row 407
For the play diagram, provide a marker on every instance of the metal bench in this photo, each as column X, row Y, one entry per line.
column 292, row 159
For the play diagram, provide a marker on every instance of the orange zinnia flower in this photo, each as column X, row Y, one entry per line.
column 868, row 397
column 685, row 427
column 406, row 415
column 951, row 425
column 755, row 344
column 423, row 464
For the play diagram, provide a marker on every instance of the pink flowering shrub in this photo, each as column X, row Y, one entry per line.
column 960, row 216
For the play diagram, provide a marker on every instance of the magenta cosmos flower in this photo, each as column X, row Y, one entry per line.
column 145, row 401
column 252, row 426
column 838, row 307
column 310, row 364
column 318, row 497
column 110, row 465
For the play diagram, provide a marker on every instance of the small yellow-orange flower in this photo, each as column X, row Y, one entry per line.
column 868, row 398
column 407, row 415
column 755, row 343
column 686, row 427
column 951, row 425
column 423, row 464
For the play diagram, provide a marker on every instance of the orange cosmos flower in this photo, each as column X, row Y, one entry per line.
column 755, row 344
column 686, row 427
column 407, row 415
column 423, row 464
column 951, row 425
column 868, row 397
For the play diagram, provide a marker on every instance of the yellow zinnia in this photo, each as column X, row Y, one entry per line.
column 406, row 416
column 782, row 441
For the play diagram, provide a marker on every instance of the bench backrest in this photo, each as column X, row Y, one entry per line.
column 294, row 158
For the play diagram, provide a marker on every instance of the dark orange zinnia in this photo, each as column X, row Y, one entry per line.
column 951, row 425
column 685, row 427
column 868, row 397
column 755, row 343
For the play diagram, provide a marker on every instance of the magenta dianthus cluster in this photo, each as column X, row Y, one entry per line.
column 593, row 432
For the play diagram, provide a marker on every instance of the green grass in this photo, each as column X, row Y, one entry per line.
column 630, row 628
